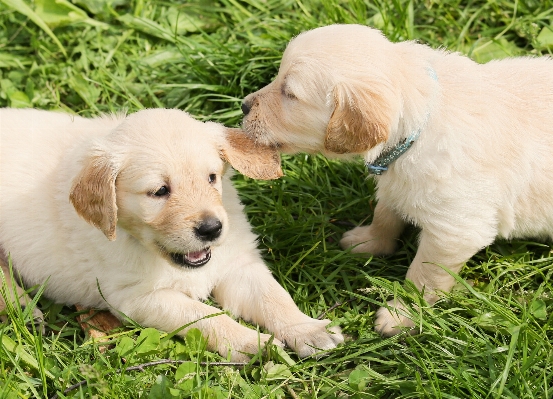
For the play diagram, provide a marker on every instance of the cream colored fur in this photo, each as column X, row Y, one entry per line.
column 59, row 174
column 482, row 167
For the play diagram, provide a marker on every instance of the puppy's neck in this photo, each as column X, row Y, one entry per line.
column 411, row 124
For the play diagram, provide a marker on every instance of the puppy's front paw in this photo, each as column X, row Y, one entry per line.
column 249, row 345
column 365, row 240
column 310, row 336
column 393, row 320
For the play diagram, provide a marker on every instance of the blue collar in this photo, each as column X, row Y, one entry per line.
column 380, row 164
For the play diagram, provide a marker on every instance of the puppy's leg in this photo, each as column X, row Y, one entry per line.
column 380, row 238
column 13, row 293
column 168, row 310
column 251, row 292
column 425, row 273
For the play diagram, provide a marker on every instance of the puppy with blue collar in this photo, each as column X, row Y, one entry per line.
column 459, row 149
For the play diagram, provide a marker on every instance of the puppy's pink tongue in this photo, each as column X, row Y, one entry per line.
column 197, row 256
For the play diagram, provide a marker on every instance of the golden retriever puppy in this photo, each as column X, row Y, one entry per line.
column 459, row 149
column 137, row 214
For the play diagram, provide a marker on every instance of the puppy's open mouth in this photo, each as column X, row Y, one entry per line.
column 191, row 259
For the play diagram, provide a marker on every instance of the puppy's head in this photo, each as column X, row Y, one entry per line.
column 335, row 93
column 159, row 177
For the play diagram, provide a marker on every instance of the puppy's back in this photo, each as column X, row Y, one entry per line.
column 34, row 149
column 40, row 137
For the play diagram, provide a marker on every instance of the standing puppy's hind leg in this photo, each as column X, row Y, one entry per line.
column 11, row 293
column 436, row 253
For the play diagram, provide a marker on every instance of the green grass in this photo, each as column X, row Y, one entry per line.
column 490, row 339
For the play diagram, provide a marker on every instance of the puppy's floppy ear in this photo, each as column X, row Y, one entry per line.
column 93, row 193
column 251, row 159
column 361, row 119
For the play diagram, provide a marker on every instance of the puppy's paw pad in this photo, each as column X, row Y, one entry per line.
column 363, row 240
column 392, row 321
column 312, row 336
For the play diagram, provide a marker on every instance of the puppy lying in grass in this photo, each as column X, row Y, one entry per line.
column 462, row 150
column 137, row 214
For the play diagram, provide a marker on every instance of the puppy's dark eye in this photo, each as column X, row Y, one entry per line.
column 212, row 178
column 162, row 191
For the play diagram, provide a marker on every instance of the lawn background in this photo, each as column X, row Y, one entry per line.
column 490, row 339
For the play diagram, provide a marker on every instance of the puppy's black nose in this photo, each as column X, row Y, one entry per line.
column 246, row 108
column 209, row 229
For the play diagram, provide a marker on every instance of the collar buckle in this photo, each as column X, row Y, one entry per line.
column 380, row 164
column 375, row 169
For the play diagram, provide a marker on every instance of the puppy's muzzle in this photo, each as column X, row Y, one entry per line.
column 209, row 229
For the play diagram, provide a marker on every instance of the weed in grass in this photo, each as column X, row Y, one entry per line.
column 491, row 339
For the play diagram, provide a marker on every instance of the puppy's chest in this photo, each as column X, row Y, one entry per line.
column 194, row 283
column 401, row 195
